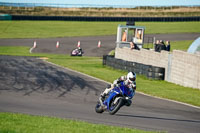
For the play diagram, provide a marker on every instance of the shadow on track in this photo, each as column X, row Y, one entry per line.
column 28, row 75
column 156, row 118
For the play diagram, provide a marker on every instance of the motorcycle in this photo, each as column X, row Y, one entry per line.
column 77, row 52
column 117, row 97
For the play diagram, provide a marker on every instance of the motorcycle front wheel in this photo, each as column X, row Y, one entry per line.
column 114, row 107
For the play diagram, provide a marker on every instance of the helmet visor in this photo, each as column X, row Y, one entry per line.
column 132, row 79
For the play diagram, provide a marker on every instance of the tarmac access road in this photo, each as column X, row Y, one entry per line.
column 32, row 86
column 88, row 44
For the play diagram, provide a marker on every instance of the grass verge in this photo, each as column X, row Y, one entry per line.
column 47, row 29
column 20, row 123
column 93, row 66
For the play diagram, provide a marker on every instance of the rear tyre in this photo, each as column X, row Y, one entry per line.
column 113, row 108
column 99, row 108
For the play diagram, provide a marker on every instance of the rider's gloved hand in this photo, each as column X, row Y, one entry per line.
column 134, row 86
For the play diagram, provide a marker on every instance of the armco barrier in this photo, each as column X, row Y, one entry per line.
column 149, row 71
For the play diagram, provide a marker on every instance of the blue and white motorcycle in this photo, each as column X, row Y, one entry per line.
column 117, row 97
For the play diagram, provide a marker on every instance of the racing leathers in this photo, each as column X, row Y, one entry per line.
column 128, row 83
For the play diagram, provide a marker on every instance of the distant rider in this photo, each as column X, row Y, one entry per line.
column 129, row 82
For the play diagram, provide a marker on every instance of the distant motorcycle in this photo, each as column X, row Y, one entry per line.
column 117, row 97
column 77, row 52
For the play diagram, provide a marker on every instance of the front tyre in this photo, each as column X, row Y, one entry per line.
column 99, row 108
column 114, row 107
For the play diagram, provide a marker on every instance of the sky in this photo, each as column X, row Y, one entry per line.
column 114, row 2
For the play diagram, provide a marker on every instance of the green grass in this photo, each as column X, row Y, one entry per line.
column 17, row 123
column 181, row 45
column 21, row 123
column 93, row 66
column 170, row 27
column 169, row 90
column 47, row 29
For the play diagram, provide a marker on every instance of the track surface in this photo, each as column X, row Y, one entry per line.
column 32, row 86
column 88, row 44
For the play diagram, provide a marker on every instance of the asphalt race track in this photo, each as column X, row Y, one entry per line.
column 33, row 86
column 88, row 44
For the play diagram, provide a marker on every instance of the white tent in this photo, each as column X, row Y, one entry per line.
column 194, row 47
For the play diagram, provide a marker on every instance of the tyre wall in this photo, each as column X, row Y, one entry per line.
column 149, row 71
column 144, row 56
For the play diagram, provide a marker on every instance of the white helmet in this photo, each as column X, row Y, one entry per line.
column 131, row 76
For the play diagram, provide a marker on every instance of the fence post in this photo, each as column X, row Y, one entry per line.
column 169, row 67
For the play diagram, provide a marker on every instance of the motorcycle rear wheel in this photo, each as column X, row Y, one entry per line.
column 98, row 108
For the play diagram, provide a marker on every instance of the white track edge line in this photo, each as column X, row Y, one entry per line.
column 186, row 104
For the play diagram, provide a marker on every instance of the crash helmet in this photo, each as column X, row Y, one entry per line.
column 131, row 76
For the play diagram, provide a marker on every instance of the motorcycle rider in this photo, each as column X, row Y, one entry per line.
column 129, row 82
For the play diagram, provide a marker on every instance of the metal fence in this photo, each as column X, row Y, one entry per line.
column 76, row 18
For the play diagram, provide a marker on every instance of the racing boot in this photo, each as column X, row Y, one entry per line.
column 103, row 95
